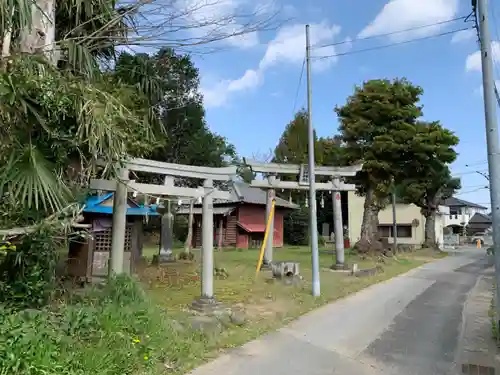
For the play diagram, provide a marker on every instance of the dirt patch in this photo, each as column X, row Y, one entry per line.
column 175, row 274
column 265, row 308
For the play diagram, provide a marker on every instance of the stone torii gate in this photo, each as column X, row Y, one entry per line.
column 123, row 185
column 272, row 182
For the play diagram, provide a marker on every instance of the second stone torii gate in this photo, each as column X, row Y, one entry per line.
column 272, row 182
column 208, row 175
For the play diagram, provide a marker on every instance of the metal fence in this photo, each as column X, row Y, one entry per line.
column 451, row 240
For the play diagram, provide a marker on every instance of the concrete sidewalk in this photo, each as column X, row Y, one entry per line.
column 478, row 352
column 334, row 339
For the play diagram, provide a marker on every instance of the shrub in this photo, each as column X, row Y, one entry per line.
column 296, row 227
column 180, row 228
column 114, row 330
column 27, row 271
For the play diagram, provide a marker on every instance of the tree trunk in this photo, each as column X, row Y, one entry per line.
column 7, row 38
column 430, row 240
column 189, row 238
column 369, row 225
column 40, row 37
column 221, row 234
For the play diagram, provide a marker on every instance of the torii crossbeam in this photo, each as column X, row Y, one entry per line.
column 208, row 175
column 272, row 171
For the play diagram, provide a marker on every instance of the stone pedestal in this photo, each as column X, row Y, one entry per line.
column 207, row 305
column 285, row 269
column 266, row 265
column 340, row 267
column 164, row 257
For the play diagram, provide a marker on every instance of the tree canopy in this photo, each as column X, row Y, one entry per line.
column 428, row 179
column 171, row 83
column 377, row 127
column 293, row 143
column 69, row 98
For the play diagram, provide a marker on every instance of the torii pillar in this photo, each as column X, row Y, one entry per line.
column 268, row 252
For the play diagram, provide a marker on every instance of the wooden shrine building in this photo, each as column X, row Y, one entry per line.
column 241, row 223
column 89, row 253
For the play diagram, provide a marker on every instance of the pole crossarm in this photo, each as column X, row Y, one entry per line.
column 293, row 185
column 181, row 170
column 151, row 189
column 275, row 168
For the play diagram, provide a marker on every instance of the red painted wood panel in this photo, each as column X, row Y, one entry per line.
column 255, row 215
column 252, row 216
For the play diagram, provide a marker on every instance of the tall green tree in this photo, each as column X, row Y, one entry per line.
column 293, row 143
column 59, row 113
column 170, row 81
column 377, row 127
column 429, row 180
column 292, row 148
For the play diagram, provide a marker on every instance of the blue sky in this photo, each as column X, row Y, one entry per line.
column 250, row 89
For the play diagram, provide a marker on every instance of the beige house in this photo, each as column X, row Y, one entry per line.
column 410, row 222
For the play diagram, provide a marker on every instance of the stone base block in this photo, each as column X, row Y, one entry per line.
column 207, row 305
column 163, row 259
column 340, row 267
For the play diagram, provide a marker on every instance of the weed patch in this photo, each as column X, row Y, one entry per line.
column 113, row 330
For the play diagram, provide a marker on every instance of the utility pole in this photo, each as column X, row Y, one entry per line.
column 492, row 141
column 313, row 220
column 394, row 222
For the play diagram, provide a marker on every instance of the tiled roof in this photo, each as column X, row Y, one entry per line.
column 455, row 202
column 480, row 219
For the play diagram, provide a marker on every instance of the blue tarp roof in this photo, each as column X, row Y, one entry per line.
column 93, row 204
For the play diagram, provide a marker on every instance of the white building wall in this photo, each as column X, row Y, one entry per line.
column 463, row 215
column 405, row 215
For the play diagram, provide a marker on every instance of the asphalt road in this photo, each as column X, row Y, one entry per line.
column 408, row 325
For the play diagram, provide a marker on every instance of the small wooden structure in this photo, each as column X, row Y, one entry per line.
column 241, row 222
column 89, row 253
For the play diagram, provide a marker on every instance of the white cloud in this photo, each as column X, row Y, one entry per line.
column 479, row 90
column 473, row 61
column 218, row 94
column 464, row 36
column 288, row 47
column 218, row 19
column 399, row 15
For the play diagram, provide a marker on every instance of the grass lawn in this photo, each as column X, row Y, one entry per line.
column 267, row 305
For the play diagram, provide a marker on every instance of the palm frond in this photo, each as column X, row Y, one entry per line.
column 33, row 182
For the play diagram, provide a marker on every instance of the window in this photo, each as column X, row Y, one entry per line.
column 404, row 231
column 384, row 231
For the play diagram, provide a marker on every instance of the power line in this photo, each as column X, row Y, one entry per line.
column 298, row 86
column 465, row 18
column 483, row 186
column 481, row 162
column 391, row 44
column 468, row 172
column 472, row 191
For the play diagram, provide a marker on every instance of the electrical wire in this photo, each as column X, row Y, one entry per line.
column 476, row 163
column 465, row 18
column 468, row 172
column 298, row 87
column 390, row 44
column 473, row 191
